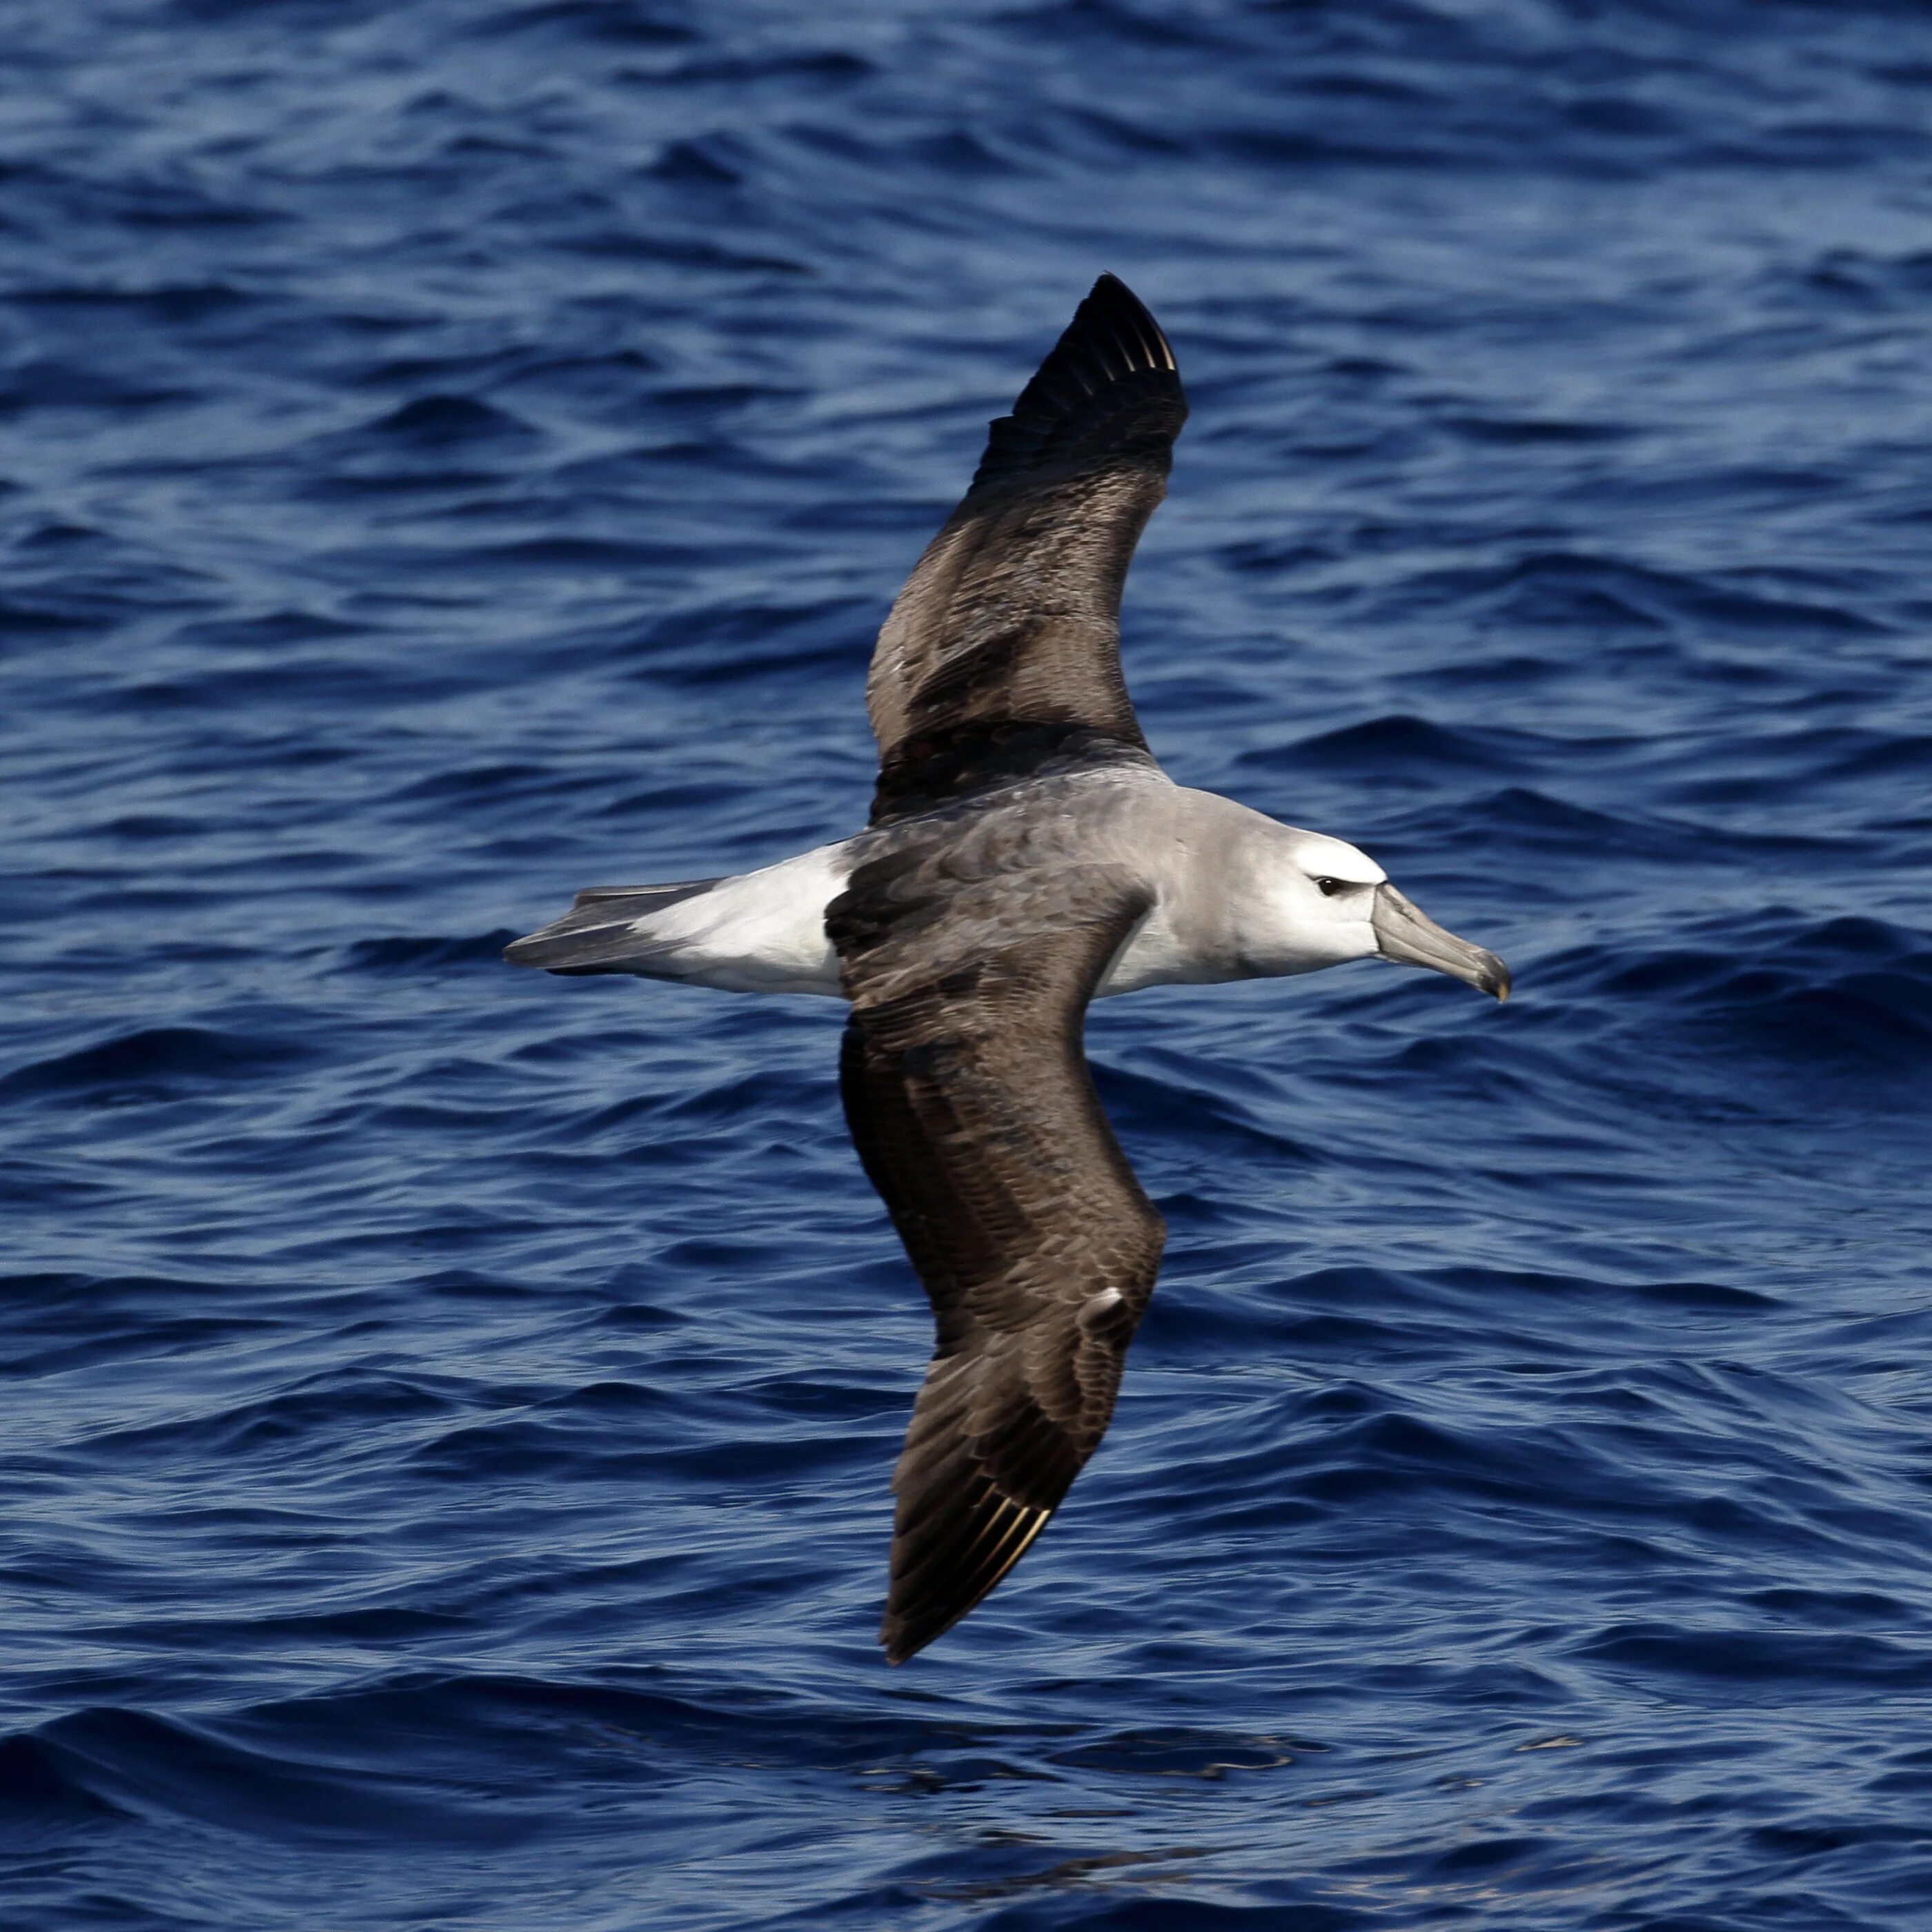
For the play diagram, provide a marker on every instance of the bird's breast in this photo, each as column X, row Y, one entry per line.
column 1155, row 954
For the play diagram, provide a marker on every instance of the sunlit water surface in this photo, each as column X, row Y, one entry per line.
column 460, row 451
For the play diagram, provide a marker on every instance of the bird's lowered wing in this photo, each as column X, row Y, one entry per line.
column 975, row 1115
column 1008, row 627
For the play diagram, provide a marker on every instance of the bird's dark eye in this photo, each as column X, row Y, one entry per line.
column 1328, row 888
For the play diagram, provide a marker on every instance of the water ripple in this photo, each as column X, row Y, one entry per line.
column 461, row 452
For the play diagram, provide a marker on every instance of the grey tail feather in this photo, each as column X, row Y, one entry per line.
column 598, row 934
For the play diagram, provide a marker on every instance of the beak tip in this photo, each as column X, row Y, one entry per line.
column 1404, row 932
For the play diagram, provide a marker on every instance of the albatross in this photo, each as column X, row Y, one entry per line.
column 1025, row 855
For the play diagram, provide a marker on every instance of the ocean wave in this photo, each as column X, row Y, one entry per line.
column 462, row 453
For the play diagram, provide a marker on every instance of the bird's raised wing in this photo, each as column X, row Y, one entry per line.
column 1008, row 627
column 975, row 1115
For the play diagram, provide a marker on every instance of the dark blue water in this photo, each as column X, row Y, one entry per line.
column 459, row 451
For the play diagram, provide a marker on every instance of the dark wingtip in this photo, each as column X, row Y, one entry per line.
column 903, row 1638
column 1112, row 369
column 899, row 1641
column 1113, row 335
column 933, row 1587
column 1111, row 304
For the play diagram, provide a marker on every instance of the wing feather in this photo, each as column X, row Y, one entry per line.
column 1003, row 647
column 975, row 1115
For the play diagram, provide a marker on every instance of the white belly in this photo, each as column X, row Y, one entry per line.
column 1153, row 956
column 761, row 932
column 764, row 932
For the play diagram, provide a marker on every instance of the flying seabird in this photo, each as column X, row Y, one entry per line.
column 1025, row 855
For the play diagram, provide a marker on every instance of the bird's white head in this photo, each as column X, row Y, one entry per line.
column 1312, row 902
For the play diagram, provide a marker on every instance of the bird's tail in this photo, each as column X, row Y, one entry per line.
column 606, row 930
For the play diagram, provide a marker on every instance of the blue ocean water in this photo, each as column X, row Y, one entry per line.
column 458, row 451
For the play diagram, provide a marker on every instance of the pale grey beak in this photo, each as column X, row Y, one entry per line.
column 1404, row 932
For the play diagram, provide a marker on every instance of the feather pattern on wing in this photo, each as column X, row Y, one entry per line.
column 975, row 1115
column 1002, row 653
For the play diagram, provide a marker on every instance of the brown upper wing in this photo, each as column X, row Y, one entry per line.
column 976, row 1117
column 1010, row 622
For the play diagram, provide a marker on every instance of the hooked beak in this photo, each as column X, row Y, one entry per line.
column 1404, row 931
